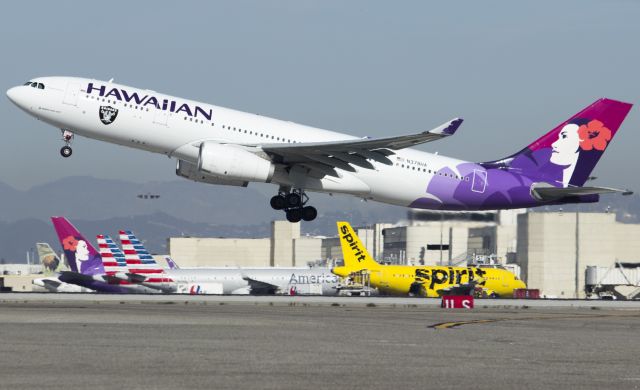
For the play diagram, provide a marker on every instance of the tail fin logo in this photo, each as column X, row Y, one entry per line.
column 77, row 250
column 353, row 243
column 567, row 155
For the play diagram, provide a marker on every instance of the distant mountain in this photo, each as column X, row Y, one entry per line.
column 184, row 208
column 88, row 198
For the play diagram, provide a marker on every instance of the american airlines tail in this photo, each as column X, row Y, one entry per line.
column 143, row 268
column 82, row 257
column 113, row 260
column 572, row 149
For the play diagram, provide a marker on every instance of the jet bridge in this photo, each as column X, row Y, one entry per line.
column 619, row 281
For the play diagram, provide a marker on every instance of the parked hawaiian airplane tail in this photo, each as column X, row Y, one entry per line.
column 81, row 256
column 356, row 256
column 566, row 156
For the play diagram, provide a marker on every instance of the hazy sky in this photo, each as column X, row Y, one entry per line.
column 513, row 70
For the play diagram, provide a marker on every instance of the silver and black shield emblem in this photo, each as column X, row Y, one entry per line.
column 108, row 114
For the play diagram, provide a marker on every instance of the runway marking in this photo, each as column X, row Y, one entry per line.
column 449, row 325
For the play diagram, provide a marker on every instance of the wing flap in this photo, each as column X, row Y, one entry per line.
column 356, row 152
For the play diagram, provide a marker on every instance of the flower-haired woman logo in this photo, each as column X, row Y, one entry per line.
column 577, row 136
column 78, row 250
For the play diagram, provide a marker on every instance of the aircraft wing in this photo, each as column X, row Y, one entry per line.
column 260, row 287
column 326, row 156
column 548, row 193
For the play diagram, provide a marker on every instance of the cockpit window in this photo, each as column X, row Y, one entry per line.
column 33, row 84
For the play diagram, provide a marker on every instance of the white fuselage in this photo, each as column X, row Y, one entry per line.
column 174, row 126
column 252, row 280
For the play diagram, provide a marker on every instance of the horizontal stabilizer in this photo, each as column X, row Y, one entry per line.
column 544, row 193
column 136, row 278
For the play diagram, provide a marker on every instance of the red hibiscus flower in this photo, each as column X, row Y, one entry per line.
column 594, row 135
column 70, row 243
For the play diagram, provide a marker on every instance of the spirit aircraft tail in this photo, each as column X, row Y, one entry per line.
column 356, row 256
column 566, row 156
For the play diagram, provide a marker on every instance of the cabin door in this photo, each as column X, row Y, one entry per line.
column 479, row 181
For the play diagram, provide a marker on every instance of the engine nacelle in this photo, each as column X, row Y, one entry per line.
column 190, row 171
column 233, row 163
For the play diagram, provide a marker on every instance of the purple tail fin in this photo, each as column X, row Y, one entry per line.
column 172, row 264
column 567, row 154
column 81, row 255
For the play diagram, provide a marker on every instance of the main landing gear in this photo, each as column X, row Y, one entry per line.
column 67, row 137
column 293, row 203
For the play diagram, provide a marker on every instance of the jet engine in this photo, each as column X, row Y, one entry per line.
column 190, row 171
column 233, row 163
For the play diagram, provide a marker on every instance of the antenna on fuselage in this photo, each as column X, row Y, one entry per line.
column 110, row 80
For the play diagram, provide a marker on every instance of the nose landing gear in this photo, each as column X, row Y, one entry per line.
column 67, row 137
column 293, row 203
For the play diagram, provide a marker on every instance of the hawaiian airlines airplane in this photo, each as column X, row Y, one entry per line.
column 90, row 268
column 221, row 146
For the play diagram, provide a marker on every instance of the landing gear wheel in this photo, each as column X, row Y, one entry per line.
column 309, row 213
column 293, row 200
column 294, row 215
column 278, row 202
column 66, row 151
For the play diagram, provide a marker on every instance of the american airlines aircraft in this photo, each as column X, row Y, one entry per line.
column 221, row 146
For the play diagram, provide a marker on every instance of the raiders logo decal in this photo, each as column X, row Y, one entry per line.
column 108, row 114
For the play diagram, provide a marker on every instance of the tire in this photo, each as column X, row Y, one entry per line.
column 294, row 215
column 293, row 200
column 278, row 202
column 309, row 213
column 66, row 151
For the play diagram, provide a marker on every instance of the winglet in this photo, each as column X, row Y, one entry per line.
column 448, row 128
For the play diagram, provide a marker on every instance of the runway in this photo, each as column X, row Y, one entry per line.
column 126, row 342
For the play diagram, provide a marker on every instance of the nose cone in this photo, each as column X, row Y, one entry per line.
column 19, row 96
column 12, row 94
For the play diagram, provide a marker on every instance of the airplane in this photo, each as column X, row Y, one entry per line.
column 217, row 145
column 424, row 281
column 52, row 266
column 86, row 264
column 295, row 280
column 117, row 270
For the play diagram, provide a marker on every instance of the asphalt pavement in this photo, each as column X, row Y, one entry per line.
column 165, row 344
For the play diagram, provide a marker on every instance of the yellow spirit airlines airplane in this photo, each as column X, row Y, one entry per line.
column 426, row 281
column 217, row 145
